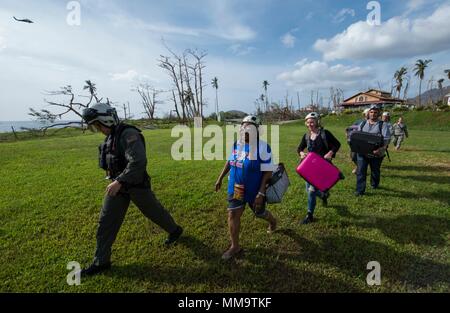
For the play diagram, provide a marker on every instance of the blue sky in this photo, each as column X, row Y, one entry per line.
column 298, row 46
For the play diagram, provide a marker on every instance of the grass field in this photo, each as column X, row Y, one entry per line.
column 52, row 193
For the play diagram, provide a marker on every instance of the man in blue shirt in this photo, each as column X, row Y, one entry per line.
column 250, row 167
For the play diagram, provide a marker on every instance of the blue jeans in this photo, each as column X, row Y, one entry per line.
column 313, row 193
column 361, row 173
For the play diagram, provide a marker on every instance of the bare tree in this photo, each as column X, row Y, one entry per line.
column 149, row 98
column 186, row 72
column 65, row 107
column 197, row 73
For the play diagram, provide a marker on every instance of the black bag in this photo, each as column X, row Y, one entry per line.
column 365, row 143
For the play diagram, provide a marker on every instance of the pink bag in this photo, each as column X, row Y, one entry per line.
column 319, row 172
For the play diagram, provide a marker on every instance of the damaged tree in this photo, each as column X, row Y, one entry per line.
column 186, row 73
column 149, row 99
column 71, row 106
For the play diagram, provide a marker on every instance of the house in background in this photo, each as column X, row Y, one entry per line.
column 447, row 99
column 364, row 100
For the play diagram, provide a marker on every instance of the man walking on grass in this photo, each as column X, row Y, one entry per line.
column 123, row 157
column 375, row 126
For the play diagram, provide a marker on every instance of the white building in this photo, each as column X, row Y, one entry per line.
column 447, row 99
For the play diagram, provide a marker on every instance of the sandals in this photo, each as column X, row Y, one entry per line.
column 272, row 227
column 229, row 254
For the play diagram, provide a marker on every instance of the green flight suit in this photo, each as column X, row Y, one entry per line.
column 136, row 187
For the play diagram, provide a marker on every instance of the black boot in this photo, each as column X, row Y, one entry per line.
column 325, row 199
column 308, row 219
column 94, row 269
column 173, row 237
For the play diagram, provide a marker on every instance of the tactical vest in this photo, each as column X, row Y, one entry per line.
column 111, row 155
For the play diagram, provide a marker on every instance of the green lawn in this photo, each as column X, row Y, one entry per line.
column 52, row 193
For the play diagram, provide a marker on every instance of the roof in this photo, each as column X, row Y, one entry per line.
column 379, row 91
column 365, row 103
column 366, row 93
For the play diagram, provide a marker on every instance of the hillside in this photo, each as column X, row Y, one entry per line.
column 434, row 93
column 423, row 120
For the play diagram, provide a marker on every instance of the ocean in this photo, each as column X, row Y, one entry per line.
column 5, row 126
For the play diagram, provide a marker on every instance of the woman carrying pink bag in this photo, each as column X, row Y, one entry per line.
column 323, row 143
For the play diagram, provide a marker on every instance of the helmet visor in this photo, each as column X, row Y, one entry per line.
column 90, row 115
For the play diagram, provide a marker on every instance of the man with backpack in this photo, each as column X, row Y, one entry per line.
column 123, row 157
column 374, row 126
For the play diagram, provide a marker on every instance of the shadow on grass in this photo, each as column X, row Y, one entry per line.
column 417, row 229
column 405, row 229
column 441, row 195
column 262, row 269
column 424, row 178
column 257, row 270
column 444, row 150
column 351, row 255
column 200, row 249
column 431, row 168
column 343, row 211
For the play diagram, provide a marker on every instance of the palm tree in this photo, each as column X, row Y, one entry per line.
column 265, row 84
column 399, row 79
column 215, row 85
column 92, row 90
column 448, row 73
column 419, row 69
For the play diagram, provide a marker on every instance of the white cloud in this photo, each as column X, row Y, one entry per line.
column 120, row 20
column 2, row 39
column 342, row 15
column 288, row 40
column 309, row 16
column 241, row 50
column 414, row 5
column 232, row 30
column 227, row 24
column 130, row 75
column 397, row 37
column 320, row 74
